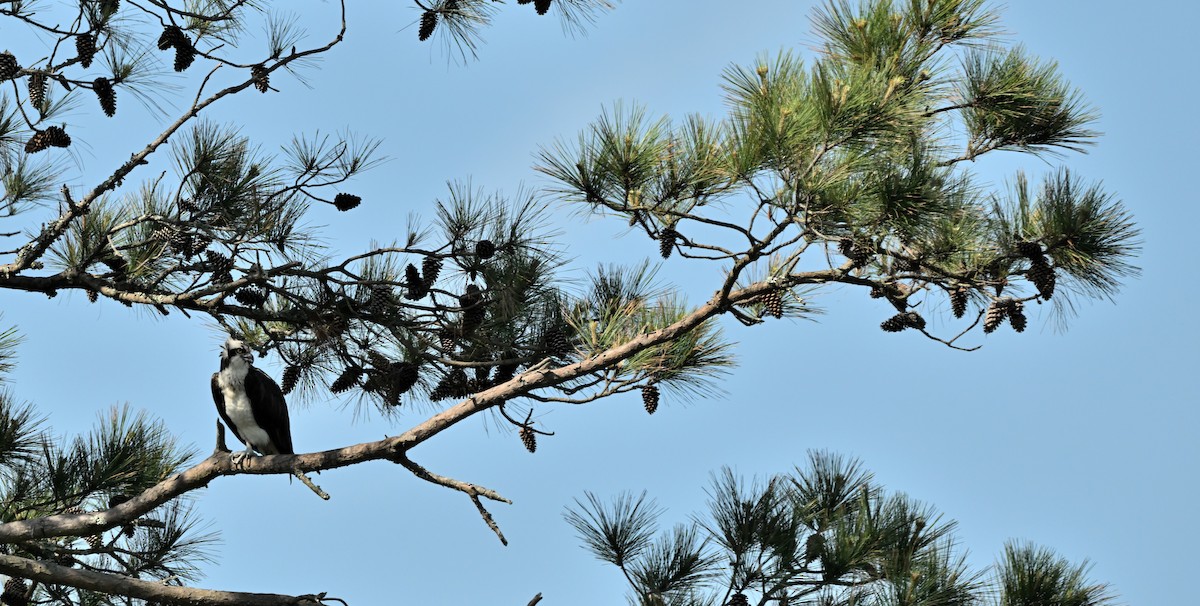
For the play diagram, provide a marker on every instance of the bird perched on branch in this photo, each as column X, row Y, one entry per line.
column 251, row 403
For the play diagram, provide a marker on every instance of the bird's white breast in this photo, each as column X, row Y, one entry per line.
column 233, row 387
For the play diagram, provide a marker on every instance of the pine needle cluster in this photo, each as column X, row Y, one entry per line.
column 123, row 455
column 845, row 160
column 823, row 534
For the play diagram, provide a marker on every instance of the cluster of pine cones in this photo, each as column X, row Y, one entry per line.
column 903, row 320
column 1002, row 309
column 173, row 37
column 418, row 282
column 429, row 18
column 53, row 136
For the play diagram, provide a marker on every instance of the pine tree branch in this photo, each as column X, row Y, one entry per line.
column 225, row 15
column 539, row 376
column 50, row 573
column 473, row 491
column 29, row 254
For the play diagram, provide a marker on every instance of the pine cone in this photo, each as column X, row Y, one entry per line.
column 738, row 599
column 390, row 379
column 430, row 268
column 555, row 342
column 458, row 383
column 446, row 339
column 346, row 380
column 171, row 36
column 485, row 249
column 846, row 247
column 94, row 541
column 482, row 378
column 250, row 296
column 473, row 311
column 773, row 304
column 895, row 323
column 164, row 234
column 506, row 371
column 182, row 243
column 261, row 77
column 40, row 141
column 345, row 202
column 14, row 592
column 185, row 55
column 106, row 94
column 1016, row 315
column 1030, row 250
column 902, row 264
column 404, row 375
column 814, row 547
column 413, row 283
column 429, row 20
column 453, row 385
column 650, row 398
column 37, row 88
column 57, row 137
column 541, row 6
column 914, row 320
column 218, row 262
column 997, row 311
column 666, row 241
column 958, row 301
column 852, row 251
column 379, row 300
column 1043, row 278
column 85, row 48
column 92, row 295
column 291, row 375
column 8, row 66
column 528, row 438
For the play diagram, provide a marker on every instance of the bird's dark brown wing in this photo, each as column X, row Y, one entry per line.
column 271, row 411
column 219, row 400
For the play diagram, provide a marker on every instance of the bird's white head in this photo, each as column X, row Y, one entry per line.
column 235, row 352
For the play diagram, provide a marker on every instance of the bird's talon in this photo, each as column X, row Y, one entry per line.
column 239, row 458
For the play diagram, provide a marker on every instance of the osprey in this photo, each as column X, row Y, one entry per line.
column 251, row 403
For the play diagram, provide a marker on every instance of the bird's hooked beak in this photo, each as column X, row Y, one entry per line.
column 233, row 347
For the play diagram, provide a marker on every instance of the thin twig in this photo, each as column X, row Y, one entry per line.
column 487, row 518
column 304, row 479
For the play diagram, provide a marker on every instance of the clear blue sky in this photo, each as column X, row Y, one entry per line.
column 1084, row 441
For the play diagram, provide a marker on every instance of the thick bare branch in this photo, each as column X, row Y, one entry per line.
column 47, row 572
